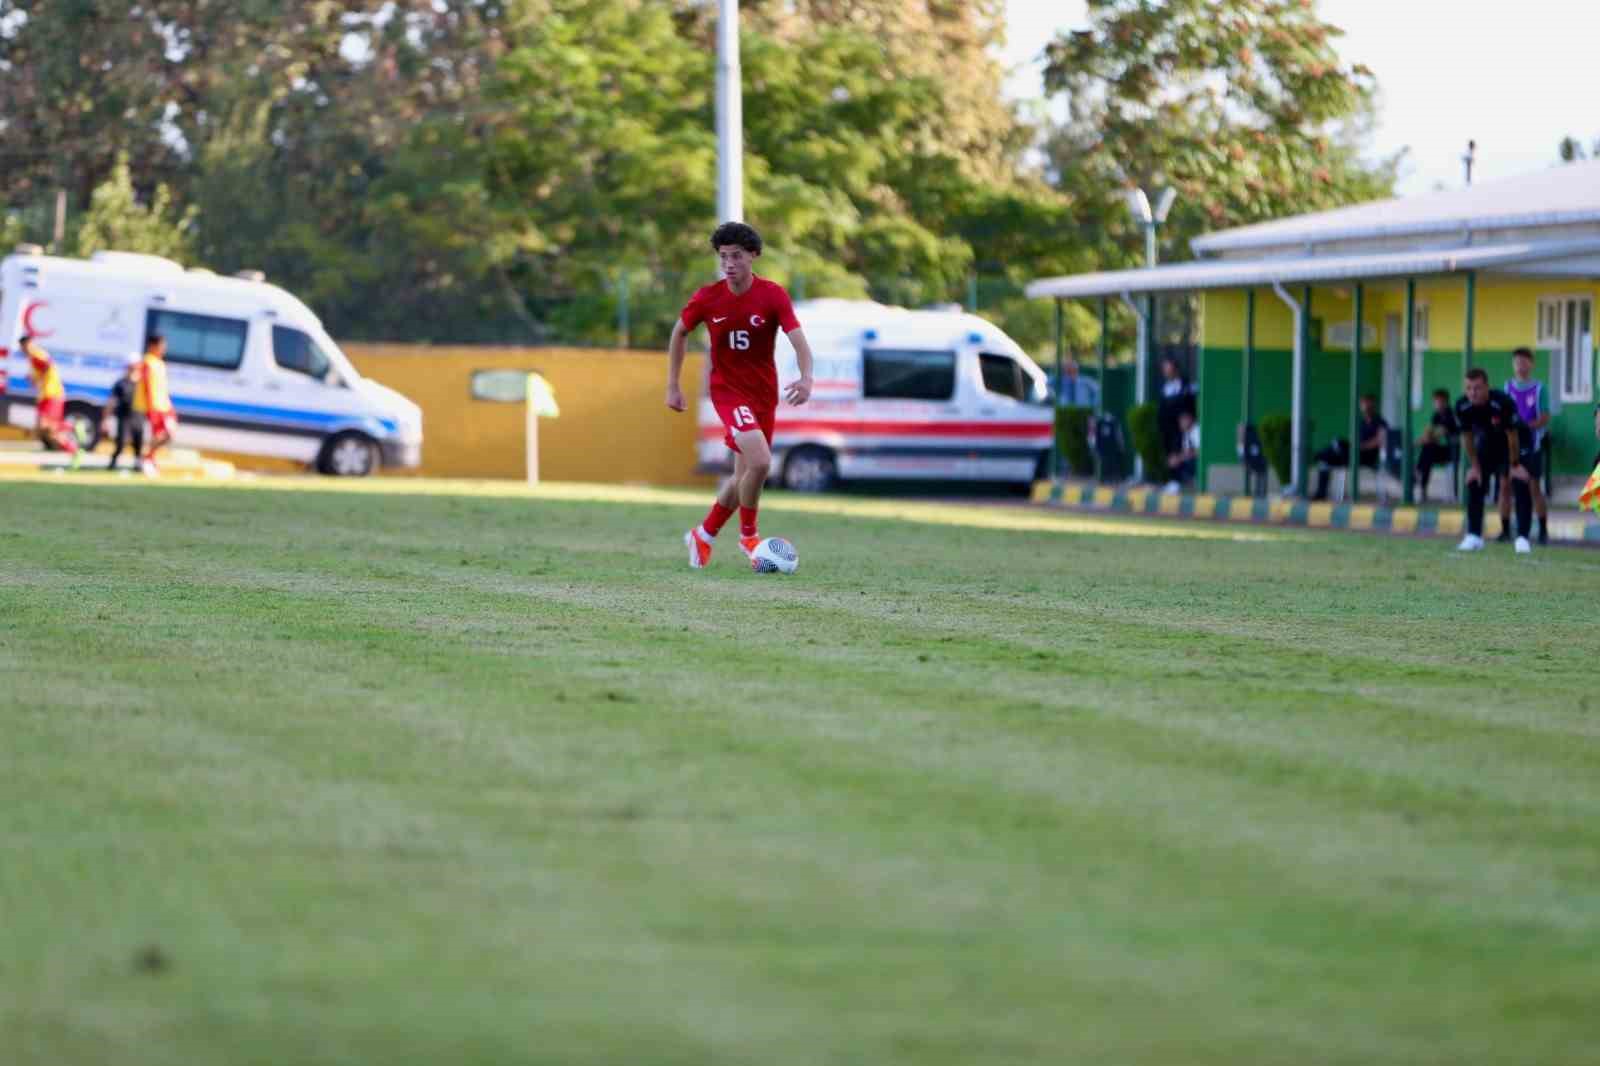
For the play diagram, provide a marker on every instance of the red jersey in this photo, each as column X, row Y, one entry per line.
column 744, row 330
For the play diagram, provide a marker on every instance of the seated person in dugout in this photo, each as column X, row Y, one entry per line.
column 1496, row 443
column 1434, row 448
column 1374, row 433
column 1184, row 462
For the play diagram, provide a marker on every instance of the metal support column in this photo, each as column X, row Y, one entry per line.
column 1202, row 474
column 1353, row 474
column 1105, row 343
column 1297, row 413
column 1100, row 393
column 1248, row 403
column 1468, row 355
column 1302, row 393
column 1056, row 463
column 1407, row 460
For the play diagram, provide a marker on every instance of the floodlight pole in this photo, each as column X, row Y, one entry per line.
column 730, row 116
column 1150, row 219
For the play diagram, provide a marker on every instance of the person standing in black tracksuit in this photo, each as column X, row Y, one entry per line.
column 130, row 426
column 1494, row 440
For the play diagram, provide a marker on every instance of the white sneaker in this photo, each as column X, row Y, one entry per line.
column 1470, row 543
column 148, row 466
column 1523, row 547
column 1172, row 488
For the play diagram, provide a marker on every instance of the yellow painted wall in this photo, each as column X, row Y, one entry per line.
column 614, row 425
column 1505, row 311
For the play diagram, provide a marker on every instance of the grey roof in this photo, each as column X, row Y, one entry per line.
column 1561, row 195
column 1240, row 273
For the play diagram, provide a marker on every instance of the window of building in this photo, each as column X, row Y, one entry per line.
column 1566, row 332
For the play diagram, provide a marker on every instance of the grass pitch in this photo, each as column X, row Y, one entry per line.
column 304, row 776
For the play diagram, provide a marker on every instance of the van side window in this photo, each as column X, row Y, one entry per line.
column 200, row 340
column 1002, row 376
column 904, row 374
column 294, row 350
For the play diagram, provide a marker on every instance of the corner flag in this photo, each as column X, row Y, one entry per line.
column 1589, row 498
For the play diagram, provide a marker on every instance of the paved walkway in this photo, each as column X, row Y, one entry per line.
column 27, row 457
column 1572, row 527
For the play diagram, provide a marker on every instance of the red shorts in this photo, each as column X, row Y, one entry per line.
column 52, row 410
column 162, row 423
column 739, row 415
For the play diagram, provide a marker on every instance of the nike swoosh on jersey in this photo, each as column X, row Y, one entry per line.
column 724, row 318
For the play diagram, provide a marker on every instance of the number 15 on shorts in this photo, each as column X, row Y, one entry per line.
column 743, row 419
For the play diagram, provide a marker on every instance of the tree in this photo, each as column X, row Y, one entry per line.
column 1243, row 106
column 1570, row 150
column 117, row 220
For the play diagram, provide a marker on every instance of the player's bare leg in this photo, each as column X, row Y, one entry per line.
column 756, row 456
column 700, row 539
column 61, row 436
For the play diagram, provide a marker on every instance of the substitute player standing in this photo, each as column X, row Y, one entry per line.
column 51, row 403
column 152, row 402
column 1491, row 435
column 1533, row 409
column 743, row 314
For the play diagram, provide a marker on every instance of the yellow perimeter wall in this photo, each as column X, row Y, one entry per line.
column 1506, row 312
column 614, row 424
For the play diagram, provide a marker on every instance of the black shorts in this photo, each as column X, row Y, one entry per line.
column 1533, row 462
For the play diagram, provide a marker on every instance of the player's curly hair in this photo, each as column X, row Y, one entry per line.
column 738, row 233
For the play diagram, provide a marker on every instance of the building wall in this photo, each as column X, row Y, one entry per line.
column 1505, row 320
column 614, row 425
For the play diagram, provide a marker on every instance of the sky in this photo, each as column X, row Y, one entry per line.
column 1514, row 76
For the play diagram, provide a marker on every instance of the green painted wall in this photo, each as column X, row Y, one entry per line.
column 1327, row 401
column 1572, row 437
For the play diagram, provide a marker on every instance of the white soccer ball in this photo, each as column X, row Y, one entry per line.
column 775, row 556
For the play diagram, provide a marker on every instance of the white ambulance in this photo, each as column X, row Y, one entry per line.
column 899, row 394
column 250, row 368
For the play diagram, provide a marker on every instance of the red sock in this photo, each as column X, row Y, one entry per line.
column 747, row 521
column 716, row 518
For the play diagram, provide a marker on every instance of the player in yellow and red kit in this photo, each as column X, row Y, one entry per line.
column 152, row 401
column 51, row 402
column 743, row 314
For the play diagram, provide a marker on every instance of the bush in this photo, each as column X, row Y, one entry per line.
column 1145, row 429
column 1277, row 436
column 1072, row 439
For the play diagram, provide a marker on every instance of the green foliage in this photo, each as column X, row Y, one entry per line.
column 1072, row 438
column 517, row 170
column 1243, row 106
column 117, row 220
column 12, row 233
column 1277, row 436
column 1144, row 429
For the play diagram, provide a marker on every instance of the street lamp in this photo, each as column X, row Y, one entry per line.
column 1149, row 220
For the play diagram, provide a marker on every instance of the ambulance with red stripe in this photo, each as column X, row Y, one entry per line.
column 904, row 395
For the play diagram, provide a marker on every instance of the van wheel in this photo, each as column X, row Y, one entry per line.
column 349, row 455
column 810, row 469
column 84, row 421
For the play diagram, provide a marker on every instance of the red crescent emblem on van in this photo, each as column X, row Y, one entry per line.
column 27, row 320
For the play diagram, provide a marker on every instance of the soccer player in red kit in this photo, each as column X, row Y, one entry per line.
column 743, row 314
